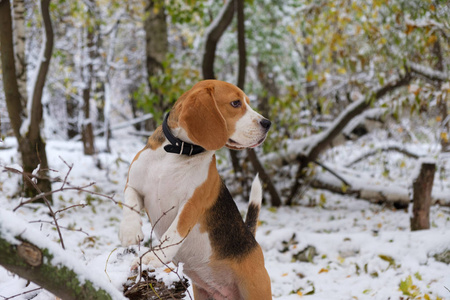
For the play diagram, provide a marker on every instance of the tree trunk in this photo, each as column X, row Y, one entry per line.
column 31, row 145
column 275, row 198
column 87, row 130
column 213, row 34
column 442, row 103
column 422, row 187
column 87, row 127
column 156, row 47
column 19, row 49
column 11, row 89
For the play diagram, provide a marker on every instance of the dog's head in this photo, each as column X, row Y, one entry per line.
column 214, row 114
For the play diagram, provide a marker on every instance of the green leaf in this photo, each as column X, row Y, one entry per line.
column 405, row 286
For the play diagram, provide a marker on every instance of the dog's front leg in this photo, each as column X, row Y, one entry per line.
column 171, row 241
column 130, row 231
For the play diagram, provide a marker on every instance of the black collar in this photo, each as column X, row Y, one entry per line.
column 176, row 145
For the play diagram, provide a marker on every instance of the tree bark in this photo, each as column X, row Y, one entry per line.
column 275, row 199
column 422, row 187
column 11, row 88
column 19, row 47
column 156, row 47
column 442, row 103
column 90, row 54
column 241, row 44
column 36, row 105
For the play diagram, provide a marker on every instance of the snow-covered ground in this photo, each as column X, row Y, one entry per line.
column 327, row 247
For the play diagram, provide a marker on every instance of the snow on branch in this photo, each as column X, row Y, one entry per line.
column 28, row 253
column 384, row 148
column 428, row 72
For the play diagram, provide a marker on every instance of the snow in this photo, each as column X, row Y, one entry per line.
column 364, row 250
column 12, row 226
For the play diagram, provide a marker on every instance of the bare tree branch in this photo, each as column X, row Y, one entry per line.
column 395, row 148
column 213, row 33
column 46, row 55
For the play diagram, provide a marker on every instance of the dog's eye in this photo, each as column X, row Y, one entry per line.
column 236, row 103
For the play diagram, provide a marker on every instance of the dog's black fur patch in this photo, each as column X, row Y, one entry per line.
column 230, row 237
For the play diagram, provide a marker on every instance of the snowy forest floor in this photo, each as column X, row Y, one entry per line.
column 328, row 246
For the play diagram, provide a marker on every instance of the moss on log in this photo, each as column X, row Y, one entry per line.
column 36, row 264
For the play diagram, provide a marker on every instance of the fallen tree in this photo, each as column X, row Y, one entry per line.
column 317, row 144
column 27, row 252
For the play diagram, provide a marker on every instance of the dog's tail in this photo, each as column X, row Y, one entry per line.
column 254, row 205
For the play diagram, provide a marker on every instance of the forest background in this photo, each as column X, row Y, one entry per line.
column 357, row 91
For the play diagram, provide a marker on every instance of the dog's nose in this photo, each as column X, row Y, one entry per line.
column 265, row 123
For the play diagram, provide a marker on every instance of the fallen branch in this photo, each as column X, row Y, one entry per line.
column 395, row 148
column 118, row 126
column 322, row 140
column 384, row 193
column 25, row 252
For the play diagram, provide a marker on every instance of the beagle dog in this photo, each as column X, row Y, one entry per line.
column 175, row 179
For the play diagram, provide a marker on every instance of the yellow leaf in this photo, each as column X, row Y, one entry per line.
column 426, row 297
column 379, row 225
column 342, row 71
column 309, row 76
column 432, row 39
column 300, row 293
column 291, row 30
column 308, row 40
column 323, row 270
column 444, row 136
column 438, row 118
column 167, row 270
column 409, row 28
column 284, row 274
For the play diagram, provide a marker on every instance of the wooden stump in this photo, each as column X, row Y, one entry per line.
column 422, row 187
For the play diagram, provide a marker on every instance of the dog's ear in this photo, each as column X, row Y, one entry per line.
column 202, row 120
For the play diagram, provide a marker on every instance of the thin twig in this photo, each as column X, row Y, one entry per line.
column 24, row 293
column 83, row 205
column 395, row 148
column 47, row 202
column 156, row 248
column 332, row 172
column 106, row 264
column 63, row 227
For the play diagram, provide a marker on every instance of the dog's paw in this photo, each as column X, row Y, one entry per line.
column 148, row 259
column 130, row 232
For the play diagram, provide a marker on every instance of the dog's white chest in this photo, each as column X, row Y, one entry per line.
column 167, row 181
